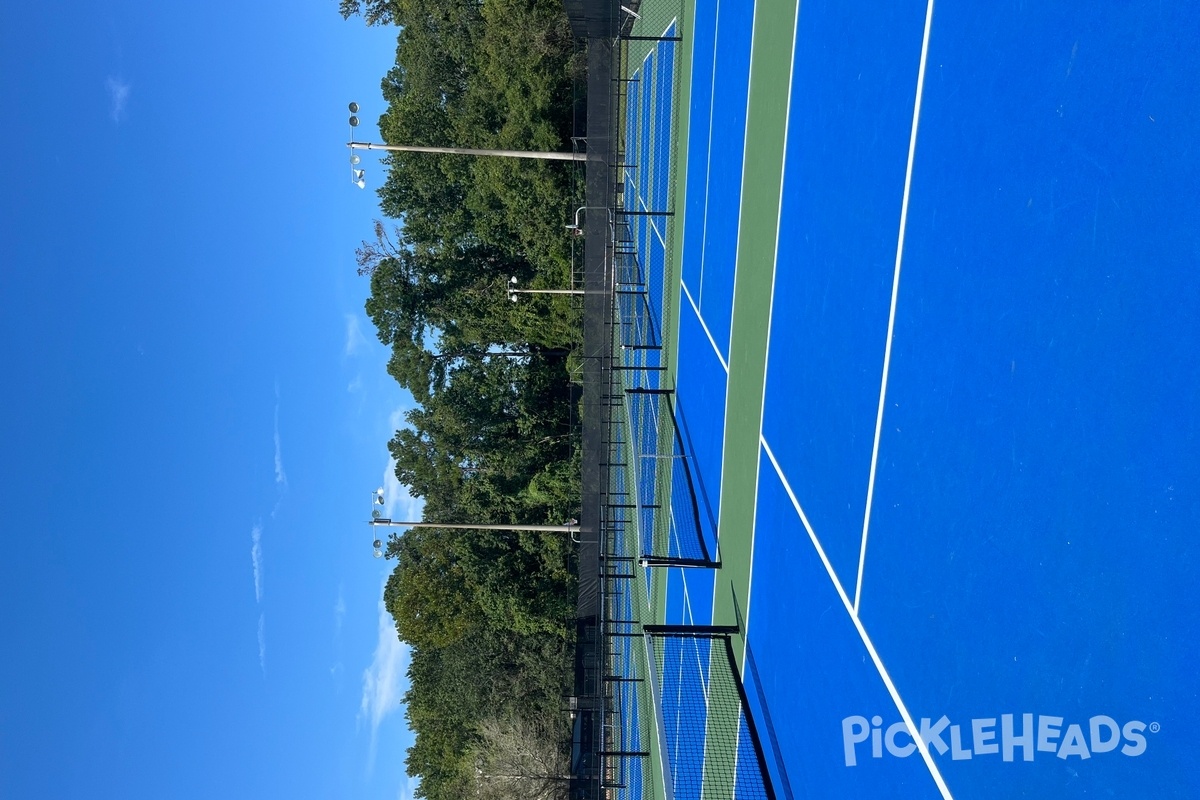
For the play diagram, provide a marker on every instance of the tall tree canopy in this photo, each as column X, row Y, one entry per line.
column 494, row 435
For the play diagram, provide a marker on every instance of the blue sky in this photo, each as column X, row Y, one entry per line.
column 196, row 407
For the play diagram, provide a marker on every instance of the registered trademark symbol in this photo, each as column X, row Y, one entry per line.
column 1155, row 727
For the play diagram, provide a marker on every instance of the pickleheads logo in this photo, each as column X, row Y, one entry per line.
column 983, row 737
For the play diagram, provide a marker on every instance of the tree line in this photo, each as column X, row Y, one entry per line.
column 494, row 436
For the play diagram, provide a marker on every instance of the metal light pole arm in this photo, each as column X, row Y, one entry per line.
column 469, row 151
column 388, row 523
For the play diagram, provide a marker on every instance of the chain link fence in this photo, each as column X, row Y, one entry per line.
column 666, row 714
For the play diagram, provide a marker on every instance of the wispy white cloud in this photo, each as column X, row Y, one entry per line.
column 262, row 643
column 384, row 681
column 118, row 97
column 256, row 560
column 354, row 336
column 408, row 788
column 397, row 502
column 280, row 475
column 339, row 617
column 355, row 385
column 339, row 611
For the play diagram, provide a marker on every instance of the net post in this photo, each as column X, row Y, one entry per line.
column 687, row 474
column 755, row 741
column 660, row 725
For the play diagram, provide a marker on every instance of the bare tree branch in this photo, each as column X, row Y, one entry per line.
column 520, row 758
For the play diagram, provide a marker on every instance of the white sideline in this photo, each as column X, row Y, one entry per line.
column 913, row 730
column 887, row 350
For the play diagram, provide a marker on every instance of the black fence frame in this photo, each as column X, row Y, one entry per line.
column 604, row 755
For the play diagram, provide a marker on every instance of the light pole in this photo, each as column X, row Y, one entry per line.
column 513, row 291
column 566, row 527
column 357, row 175
column 376, row 520
column 577, row 227
column 550, row 351
column 545, row 155
column 377, row 499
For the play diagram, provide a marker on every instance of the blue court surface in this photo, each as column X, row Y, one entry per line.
column 973, row 559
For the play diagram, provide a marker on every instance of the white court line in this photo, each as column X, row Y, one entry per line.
column 704, row 325
column 887, row 350
column 642, row 202
column 771, row 310
column 670, row 123
column 651, row 77
column 652, row 223
column 651, row 83
column 652, row 86
column 913, row 731
column 691, row 620
column 678, row 716
column 762, row 411
column 687, row 598
column 733, row 293
column 712, row 104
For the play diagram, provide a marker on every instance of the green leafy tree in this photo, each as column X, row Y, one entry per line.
column 428, row 593
column 373, row 12
column 494, row 437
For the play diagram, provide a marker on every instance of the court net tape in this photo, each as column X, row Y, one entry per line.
column 668, row 510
